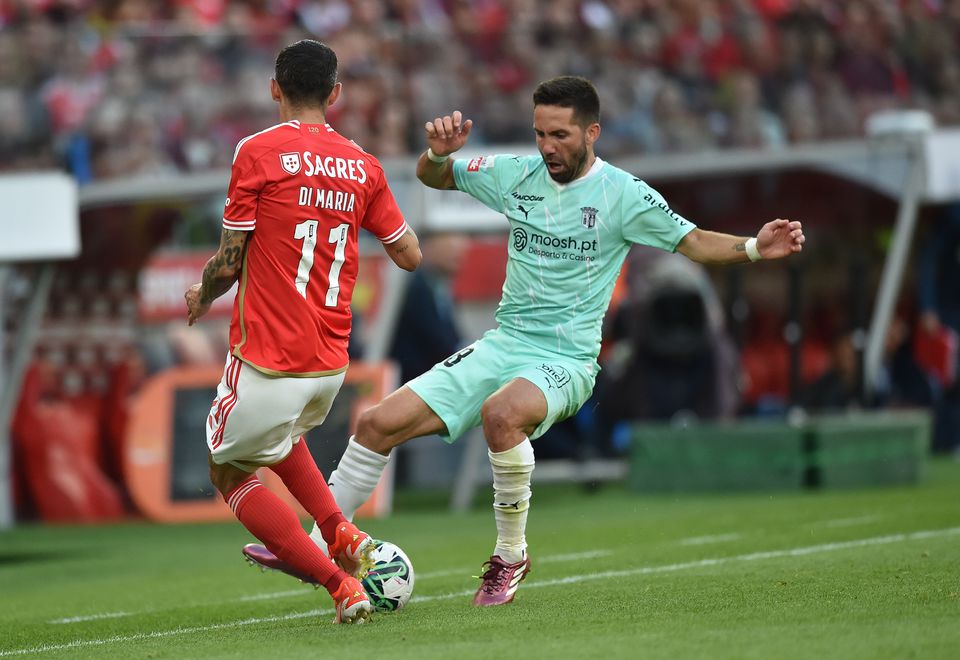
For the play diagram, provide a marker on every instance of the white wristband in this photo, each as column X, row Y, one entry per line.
column 435, row 158
column 752, row 252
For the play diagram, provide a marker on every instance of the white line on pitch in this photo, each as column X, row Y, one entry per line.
column 574, row 556
column 443, row 573
column 93, row 617
column 292, row 593
column 851, row 522
column 80, row 643
column 276, row 594
column 570, row 579
column 705, row 540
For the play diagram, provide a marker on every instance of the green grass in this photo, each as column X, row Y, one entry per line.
column 842, row 577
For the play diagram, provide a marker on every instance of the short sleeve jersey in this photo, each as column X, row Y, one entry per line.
column 304, row 192
column 567, row 243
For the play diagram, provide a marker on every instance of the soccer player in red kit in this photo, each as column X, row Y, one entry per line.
column 299, row 194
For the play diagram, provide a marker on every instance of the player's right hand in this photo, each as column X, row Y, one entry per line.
column 448, row 133
column 195, row 307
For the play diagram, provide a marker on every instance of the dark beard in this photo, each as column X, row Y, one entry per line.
column 566, row 176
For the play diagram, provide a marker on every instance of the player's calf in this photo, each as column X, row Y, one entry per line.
column 351, row 550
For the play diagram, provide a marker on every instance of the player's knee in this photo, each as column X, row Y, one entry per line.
column 497, row 416
column 214, row 473
column 219, row 480
column 504, row 422
column 224, row 478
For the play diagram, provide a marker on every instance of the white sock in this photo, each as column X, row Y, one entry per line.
column 511, row 499
column 353, row 481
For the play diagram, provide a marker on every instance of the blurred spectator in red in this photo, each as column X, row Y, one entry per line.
column 79, row 78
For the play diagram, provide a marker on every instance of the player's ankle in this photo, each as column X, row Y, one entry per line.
column 328, row 527
column 510, row 555
column 333, row 584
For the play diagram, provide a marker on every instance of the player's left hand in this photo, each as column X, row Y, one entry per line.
column 780, row 238
column 195, row 308
column 448, row 134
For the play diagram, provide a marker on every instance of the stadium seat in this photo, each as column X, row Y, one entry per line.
column 56, row 444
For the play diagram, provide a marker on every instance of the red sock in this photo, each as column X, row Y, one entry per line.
column 302, row 477
column 267, row 517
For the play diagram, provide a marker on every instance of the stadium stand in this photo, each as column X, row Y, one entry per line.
column 126, row 87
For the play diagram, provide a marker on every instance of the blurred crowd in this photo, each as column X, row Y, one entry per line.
column 135, row 87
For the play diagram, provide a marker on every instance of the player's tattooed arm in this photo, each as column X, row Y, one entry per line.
column 219, row 274
column 710, row 247
column 223, row 268
column 405, row 252
column 777, row 239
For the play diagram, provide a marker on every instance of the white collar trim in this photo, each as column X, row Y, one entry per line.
column 598, row 164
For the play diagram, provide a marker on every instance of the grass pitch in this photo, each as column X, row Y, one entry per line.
column 864, row 574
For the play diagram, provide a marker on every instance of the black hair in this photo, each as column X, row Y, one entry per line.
column 306, row 72
column 570, row 92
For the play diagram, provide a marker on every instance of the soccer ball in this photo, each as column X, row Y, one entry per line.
column 389, row 583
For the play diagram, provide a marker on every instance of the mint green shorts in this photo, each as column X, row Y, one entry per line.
column 456, row 388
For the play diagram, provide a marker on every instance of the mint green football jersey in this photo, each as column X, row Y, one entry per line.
column 567, row 243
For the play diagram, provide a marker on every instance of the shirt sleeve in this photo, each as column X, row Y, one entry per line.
column 648, row 220
column 383, row 217
column 483, row 177
column 243, row 195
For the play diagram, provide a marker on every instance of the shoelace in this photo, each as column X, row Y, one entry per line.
column 494, row 577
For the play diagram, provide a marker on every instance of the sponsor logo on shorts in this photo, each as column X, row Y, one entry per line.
column 557, row 376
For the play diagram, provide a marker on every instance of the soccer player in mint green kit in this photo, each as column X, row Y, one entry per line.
column 573, row 217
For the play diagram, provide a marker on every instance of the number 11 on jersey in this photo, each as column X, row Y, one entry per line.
column 306, row 231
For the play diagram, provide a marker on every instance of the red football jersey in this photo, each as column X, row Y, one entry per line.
column 304, row 191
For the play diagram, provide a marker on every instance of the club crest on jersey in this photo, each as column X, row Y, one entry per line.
column 290, row 162
column 589, row 216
